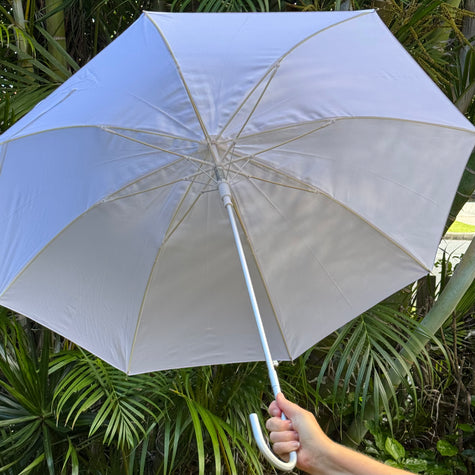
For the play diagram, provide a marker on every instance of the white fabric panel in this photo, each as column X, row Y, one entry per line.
column 73, row 284
column 364, row 164
column 230, row 43
column 197, row 310
column 57, row 176
column 353, row 69
column 321, row 264
column 132, row 82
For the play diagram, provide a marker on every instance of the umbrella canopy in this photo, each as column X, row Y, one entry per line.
column 341, row 155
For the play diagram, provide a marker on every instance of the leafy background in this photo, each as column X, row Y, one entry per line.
column 398, row 382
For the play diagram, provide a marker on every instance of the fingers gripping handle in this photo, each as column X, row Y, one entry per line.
column 266, row 451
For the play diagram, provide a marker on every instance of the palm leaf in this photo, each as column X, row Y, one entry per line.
column 363, row 352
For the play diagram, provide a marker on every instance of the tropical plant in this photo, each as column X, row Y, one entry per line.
column 63, row 410
column 66, row 410
column 362, row 358
column 31, row 437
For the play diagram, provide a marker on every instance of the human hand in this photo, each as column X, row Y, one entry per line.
column 301, row 433
column 317, row 454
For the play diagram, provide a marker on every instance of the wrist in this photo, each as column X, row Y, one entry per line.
column 323, row 460
column 331, row 460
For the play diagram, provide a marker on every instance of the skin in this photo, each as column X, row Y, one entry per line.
column 317, row 454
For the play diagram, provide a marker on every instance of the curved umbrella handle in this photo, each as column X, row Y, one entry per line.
column 265, row 450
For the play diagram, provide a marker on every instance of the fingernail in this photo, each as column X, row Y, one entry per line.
column 296, row 445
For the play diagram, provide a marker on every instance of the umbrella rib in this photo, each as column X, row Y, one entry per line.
column 146, row 190
column 194, row 161
column 167, row 236
column 258, row 163
column 72, row 91
column 190, row 178
column 333, row 120
column 277, row 209
column 249, row 159
column 293, row 125
column 155, row 147
column 185, row 85
column 314, row 190
column 101, row 201
column 293, row 139
column 276, row 183
column 264, row 283
column 156, row 134
column 253, row 158
column 163, row 112
column 172, row 231
column 274, row 66
column 272, row 72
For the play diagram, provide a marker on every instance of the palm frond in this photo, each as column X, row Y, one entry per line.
column 363, row 358
column 121, row 408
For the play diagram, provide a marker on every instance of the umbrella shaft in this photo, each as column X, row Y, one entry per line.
column 226, row 196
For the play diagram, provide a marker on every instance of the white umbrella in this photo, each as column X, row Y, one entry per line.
column 335, row 151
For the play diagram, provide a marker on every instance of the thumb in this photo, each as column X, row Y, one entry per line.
column 288, row 408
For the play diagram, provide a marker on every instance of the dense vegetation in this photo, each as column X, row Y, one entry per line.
column 401, row 391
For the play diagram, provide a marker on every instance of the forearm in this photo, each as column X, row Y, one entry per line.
column 317, row 454
column 340, row 460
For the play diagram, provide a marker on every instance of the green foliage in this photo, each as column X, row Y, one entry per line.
column 30, row 64
column 446, row 449
column 394, row 449
column 64, row 411
column 31, row 438
column 437, row 434
column 86, row 381
column 225, row 6
column 359, row 362
column 465, row 189
column 445, row 458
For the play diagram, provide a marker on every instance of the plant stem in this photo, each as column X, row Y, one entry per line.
column 22, row 43
column 461, row 280
column 56, row 28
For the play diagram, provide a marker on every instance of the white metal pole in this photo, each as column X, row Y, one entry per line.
column 225, row 192
column 226, row 195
